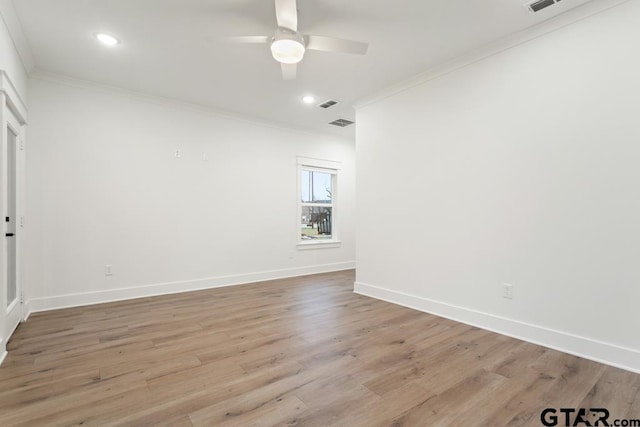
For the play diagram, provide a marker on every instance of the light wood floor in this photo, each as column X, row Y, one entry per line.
column 302, row 351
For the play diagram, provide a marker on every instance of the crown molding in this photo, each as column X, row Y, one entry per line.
column 558, row 22
column 14, row 26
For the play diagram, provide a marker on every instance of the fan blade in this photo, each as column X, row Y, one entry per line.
column 330, row 44
column 249, row 39
column 287, row 14
column 289, row 71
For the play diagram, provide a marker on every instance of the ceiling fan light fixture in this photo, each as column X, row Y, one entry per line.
column 287, row 51
column 288, row 46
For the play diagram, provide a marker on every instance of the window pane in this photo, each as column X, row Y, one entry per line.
column 315, row 223
column 304, row 186
column 316, row 187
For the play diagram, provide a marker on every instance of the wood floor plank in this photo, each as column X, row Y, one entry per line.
column 189, row 397
column 443, row 408
column 333, row 409
column 616, row 387
column 250, row 412
column 559, row 380
column 634, row 410
column 74, row 400
column 150, row 368
column 300, row 351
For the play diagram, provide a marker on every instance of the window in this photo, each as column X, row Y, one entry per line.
column 317, row 185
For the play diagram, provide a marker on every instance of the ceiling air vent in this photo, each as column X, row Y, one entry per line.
column 329, row 103
column 537, row 6
column 341, row 122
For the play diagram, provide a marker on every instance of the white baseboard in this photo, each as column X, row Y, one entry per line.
column 598, row 351
column 3, row 356
column 98, row 297
column 26, row 311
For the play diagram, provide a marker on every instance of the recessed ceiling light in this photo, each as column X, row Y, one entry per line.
column 308, row 99
column 107, row 39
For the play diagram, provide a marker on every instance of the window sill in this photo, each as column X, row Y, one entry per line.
column 319, row 245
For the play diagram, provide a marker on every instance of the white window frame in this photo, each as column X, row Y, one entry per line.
column 324, row 166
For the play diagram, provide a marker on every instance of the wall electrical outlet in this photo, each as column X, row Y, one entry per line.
column 507, row 291
column 108, row 270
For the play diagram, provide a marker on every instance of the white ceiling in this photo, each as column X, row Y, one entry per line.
column 176, row 48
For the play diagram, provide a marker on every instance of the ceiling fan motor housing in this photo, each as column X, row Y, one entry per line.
column 287, row 46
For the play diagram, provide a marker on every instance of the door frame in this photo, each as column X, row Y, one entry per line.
column 13, row 312
column 13, row 114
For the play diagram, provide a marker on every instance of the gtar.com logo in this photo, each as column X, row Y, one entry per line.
column 573, row 417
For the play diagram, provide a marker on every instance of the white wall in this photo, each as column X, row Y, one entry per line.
column 104, row 188
column 522, row 168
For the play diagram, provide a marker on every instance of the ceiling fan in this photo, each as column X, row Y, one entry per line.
column 288, row 45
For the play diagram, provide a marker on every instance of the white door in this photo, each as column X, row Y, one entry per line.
column 12, row 291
